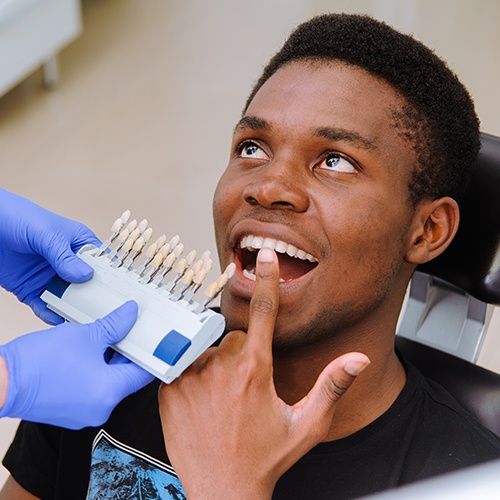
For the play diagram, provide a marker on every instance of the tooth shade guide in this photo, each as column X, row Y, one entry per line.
column 115, row 230
column 161, row 312
column 152, row 263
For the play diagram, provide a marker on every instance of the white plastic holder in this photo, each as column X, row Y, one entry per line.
column 167, row 336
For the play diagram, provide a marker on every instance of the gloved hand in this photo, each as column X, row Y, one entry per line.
column 35, row 244
column 60, row 376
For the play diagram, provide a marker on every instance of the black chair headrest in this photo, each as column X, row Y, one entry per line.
column 472, row 261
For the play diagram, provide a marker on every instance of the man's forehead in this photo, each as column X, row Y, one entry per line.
column 335, row 95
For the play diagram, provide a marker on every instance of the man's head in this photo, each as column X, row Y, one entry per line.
column 439, row 119
column 320, row 169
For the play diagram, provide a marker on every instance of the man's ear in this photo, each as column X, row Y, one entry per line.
column 435, row 224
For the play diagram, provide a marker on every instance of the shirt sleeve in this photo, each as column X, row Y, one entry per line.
column 32, row 458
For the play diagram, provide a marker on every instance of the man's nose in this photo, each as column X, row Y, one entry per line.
column 278, row 186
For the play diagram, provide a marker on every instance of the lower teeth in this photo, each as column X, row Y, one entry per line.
column 251, row 276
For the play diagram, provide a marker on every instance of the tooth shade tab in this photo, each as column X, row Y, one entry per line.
column 174, row 241
column 134, row 234
column 207, row 265
column 199, row 277
column 161, row 241
column 131, row 225
column 197, row 266
column 190, row 257
column 164, row 250
column 139, row 244
column 177, row 251
column 117, row 225
column 157, row 260
column 181, row 266
column 147, row 234
column 230, row 270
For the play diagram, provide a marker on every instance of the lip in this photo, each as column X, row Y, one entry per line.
column 244, row 287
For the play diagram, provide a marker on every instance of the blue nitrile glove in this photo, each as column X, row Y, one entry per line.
column 35, row 244
column 60, row 376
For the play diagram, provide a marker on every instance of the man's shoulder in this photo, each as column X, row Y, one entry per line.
column 441, row 435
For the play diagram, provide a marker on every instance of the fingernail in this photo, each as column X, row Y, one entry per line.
column 265, row 255
column 355, row 367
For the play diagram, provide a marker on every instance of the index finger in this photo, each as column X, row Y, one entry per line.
column 264, row 303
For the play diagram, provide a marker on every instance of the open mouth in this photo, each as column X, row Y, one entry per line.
column 294, row 262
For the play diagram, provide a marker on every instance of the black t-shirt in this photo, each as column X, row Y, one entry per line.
column 424, row 433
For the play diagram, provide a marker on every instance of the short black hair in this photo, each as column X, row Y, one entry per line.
column 439, row 119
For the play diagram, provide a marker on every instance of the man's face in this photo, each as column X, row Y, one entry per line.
column 318, row 172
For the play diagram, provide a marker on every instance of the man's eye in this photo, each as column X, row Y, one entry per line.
column 337, row 163
column 251, row 150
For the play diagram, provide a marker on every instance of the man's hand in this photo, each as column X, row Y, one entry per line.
column 227, row 433
column 60, row 376
column 35, row 244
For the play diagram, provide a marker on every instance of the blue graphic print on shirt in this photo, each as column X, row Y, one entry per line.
column 118, row 472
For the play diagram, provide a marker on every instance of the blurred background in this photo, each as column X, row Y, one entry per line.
column 144, row 95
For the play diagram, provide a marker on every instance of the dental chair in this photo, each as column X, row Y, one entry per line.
column 452, row 298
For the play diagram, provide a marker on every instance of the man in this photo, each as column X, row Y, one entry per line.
column 344, row 171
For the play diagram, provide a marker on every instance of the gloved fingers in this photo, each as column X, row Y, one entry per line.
column 113, row 327
column 130, row 378
column 39, row 307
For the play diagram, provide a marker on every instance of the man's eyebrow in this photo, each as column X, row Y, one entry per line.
column 329, row 133
column 252, row 123
column 340, row 134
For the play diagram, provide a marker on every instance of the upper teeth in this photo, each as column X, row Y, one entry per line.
column 256, row 242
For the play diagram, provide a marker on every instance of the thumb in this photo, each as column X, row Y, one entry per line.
column 57, row 248
column 113, row 327
column 69, row 266
column 331, row 385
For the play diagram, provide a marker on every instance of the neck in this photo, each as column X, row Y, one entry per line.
column 371, row 394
